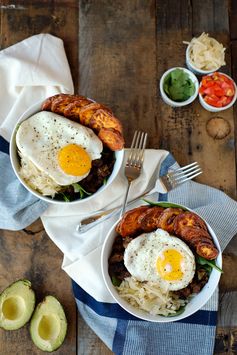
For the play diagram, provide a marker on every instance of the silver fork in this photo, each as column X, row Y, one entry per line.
column 134, row 162
column 178, row 177
column 163, row 185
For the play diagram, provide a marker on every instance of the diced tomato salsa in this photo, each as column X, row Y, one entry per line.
column 217, row 89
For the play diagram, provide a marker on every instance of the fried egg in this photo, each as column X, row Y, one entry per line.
column 160, row 258
column 62, row 149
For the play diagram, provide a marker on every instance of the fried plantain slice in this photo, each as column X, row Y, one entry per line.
column 190, row 234
column 73, row 109
column 129, row 225
column 149, row 219
column 103, row 118
column 111, row 138
column 207, row 250
column 88, row 111
column 46, row 106
column 60, row 104
column 188, row 219
column 167, row 217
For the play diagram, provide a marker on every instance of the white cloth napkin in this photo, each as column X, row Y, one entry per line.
column 30, row 71
column 82, row 251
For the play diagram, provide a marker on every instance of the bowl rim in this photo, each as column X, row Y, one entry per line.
column 33, row 109
column 197, row 70
column 218, row 109
column 214, row 277
column 177, row 103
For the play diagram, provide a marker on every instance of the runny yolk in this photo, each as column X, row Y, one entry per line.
column 74, row 160
column 169, row 265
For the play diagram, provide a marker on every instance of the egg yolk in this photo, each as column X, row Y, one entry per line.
column 74, row 160
column 169, row 265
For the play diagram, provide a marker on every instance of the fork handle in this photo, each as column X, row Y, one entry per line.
column 125, row 199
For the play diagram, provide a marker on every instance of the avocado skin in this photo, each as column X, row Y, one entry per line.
column 47, row 303
column 31, row 302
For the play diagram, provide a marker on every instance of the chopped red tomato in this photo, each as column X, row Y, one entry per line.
column 217, row 89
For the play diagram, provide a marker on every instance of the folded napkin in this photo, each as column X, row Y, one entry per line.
column 30, row 71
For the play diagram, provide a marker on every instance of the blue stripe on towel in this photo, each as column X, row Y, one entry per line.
column 4, row 145
column 115, row 311
column 119, row 336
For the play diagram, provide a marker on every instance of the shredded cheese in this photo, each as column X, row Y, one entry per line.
column 149, row 297
column 206, row 53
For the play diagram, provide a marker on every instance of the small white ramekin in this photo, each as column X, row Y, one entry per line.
column 194, row 69
column 218, row 109
column 172, row 103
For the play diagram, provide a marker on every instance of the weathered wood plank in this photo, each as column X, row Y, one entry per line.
column 183, row 130
column 22, row 19
column 31, row 254
column 118, row 60
column 233, row 19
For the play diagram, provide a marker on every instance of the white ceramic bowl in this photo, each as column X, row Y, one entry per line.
column 218, row 109
column 16, row 162
column 194, row 69
column 172, row 103
column 193, row 306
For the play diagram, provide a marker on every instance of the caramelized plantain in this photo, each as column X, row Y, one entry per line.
column 103, row 118
column 129, row 225
column 73, row 109
column 46, row 106
column 111, row 138
column 207, row 250
column 88, row 111
column 149, row 219
column 188, row 219
column 167, row 217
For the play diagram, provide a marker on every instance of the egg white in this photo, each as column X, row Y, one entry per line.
column 141, row 255
column 40, row 138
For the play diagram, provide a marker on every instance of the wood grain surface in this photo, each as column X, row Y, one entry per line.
column 117, row 52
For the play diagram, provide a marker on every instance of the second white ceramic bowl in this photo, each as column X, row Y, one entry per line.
column 16, row 163
column 194, row 304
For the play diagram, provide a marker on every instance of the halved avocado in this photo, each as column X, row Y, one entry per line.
column 48, row 325
column 17, row 303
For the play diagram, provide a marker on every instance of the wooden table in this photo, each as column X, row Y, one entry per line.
column 117, row 52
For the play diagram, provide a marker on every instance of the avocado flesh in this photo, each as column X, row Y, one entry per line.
column 17, row 303
column 48, row 325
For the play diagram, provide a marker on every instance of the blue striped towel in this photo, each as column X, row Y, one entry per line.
column 123, row 333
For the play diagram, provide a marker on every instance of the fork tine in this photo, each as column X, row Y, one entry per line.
column 189, row 178
column 186, row 166
column 134, row 140
column 191, row 173
column 142, row 147
column 185, row 171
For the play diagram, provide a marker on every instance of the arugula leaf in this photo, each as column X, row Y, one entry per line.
column 178, row 312
column 78, row 188
column 202, row 261
column 115, row 281
column 66, row 199
column 164, row 204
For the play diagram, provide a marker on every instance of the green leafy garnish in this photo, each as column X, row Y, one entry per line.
column 116, row 282
column 164, row 204
column 178, row 312
column 78, row 188
column 105, row 180
column 202, row 261
column 66, row 199
column 178, row 85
